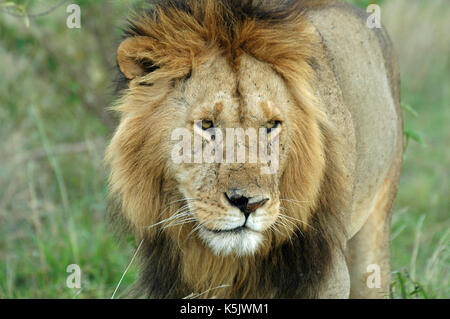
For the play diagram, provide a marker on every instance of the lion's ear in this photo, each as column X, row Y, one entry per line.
column 134, row 57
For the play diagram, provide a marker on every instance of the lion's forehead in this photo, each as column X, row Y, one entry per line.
column 253, row 92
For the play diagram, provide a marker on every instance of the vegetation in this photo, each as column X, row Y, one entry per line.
column 55, row 88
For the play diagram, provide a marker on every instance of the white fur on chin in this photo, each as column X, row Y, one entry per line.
column 242, row 243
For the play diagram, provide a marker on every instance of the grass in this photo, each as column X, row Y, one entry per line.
column 52, row 180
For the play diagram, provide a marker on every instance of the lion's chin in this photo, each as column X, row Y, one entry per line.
column 244, row 242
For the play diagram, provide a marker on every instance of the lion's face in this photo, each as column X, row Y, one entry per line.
column 233, row 204
column 178, row 81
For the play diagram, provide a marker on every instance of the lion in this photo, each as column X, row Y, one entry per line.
column 320, row 84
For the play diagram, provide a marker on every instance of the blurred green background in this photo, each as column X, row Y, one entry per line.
column 55, row 85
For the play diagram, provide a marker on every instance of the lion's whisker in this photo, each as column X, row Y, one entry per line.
column 283, row 217
column 296, row 219
column 171, row 218
column 196, row 228
column 177, row 201
column 165, row 209
column 277, row 222
column 181, row 214
column 286, row 227
column 274, row 228
column 181, row 222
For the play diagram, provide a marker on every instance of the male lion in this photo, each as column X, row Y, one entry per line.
column 311, row 73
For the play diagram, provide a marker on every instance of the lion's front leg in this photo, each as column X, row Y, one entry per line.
column 368, row 252
column 337, row 284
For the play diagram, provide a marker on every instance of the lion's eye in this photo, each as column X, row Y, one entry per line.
column 272, row 125
column 207, row 124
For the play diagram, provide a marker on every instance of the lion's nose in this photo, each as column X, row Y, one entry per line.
column 247, row 205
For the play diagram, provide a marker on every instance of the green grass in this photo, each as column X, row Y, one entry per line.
column 53, row 183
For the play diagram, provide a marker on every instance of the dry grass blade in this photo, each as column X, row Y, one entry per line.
column 196, row 295
column 126, row 269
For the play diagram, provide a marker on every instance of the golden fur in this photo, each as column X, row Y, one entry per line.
column 175, row 59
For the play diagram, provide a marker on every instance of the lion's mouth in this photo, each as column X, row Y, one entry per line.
column 234, row 230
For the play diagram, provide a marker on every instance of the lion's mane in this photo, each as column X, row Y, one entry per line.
column 184, row 34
